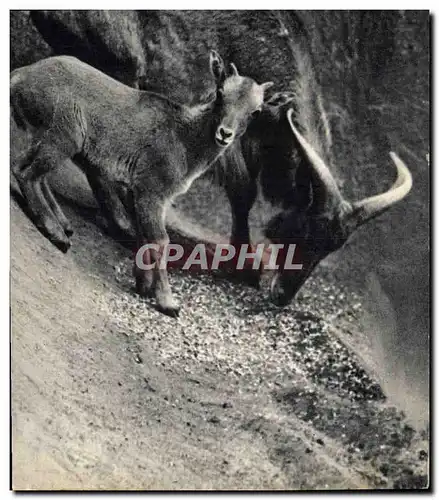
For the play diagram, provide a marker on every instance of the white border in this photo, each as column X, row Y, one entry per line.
column 225, row 5
column 4, row 170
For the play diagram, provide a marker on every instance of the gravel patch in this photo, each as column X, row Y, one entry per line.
column 293, row 354
column 235, row 330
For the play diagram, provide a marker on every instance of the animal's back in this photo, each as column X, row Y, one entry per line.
column 68, row 76
column 74, row 91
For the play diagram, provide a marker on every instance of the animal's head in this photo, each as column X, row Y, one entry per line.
column 239, row 99
column 319, row 219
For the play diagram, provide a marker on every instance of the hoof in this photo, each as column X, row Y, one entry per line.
column 279, row 299
column 166, row 304
column 54, row 233
column 173, row 312
column 64, row 246
column 251, row 278
column 280, row 296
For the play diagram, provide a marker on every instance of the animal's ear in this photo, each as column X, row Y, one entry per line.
column 265, row 86
column 280, row 99
column 217, row 66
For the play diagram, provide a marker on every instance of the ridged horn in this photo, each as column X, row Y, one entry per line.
column 369, row 208
column 324, row 185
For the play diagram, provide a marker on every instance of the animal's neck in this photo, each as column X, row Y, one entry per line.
column 270, row 154
column 275, row 173
column 196, row 127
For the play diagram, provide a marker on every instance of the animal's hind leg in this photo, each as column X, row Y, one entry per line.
column 56, row 209
column 29, row 175
column 111, row 200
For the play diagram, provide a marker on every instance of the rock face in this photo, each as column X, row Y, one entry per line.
column 237, row 394
column 164, row 50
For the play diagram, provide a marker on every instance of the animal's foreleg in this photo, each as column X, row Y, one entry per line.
column 242, row 193
column 241, row 198
column 152, row 240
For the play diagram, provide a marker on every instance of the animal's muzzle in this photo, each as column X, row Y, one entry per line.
column 224, row 136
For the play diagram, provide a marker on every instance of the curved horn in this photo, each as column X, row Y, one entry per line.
column 323, row 181
column 234, row 70
column 369, row 208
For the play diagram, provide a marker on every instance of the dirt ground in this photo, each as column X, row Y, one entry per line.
column 107, row 393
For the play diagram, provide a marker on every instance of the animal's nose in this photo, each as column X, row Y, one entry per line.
column 224, row 136
column 225, row 133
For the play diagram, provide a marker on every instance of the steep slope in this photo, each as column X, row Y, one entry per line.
column 108, row 393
